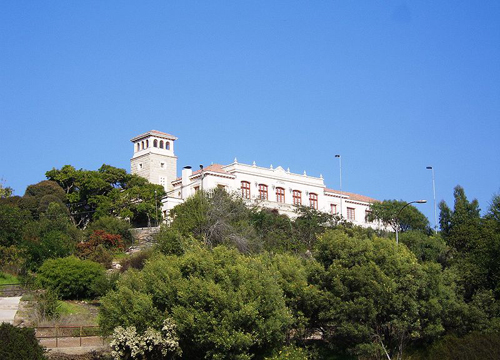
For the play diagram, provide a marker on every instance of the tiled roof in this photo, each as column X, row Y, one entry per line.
column 214, row 168
column 155, row 133
column 352, row 196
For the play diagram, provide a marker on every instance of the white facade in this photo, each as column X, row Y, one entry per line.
column 274, row 188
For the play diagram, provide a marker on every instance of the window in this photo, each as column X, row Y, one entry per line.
column 333, row 209
column 147, row 143
column 297, row 197
column 313, row 201
column 138, row 146
column 280, row 195
column 167, row 145
column 262, row 192
column 367, row 215
column 245, row 190
column 142, row 145
column 162, row 181
column 351, row 213
column 196, row 188
column 155, row 143
column 139, row 166
column 162, row 165
column 161, row 144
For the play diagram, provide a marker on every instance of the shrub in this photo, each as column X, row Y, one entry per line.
column 99, row 238
column 136, row 260
column 46, row 304
column 12, row 259
column 225, row 305
column 471, row 347
column 152, row 345
column 102, row 256
column 170, row 241
column 19, row 343
column 70, row 277
column 112, row 225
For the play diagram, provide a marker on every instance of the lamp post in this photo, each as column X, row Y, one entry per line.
column 156, row 205
column 340, row 166
column 434, row 192
column 201, row 178
column 399, row 212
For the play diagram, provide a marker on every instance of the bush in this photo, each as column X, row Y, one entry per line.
column 152, row 345
column 225, row 305
column 71, row 277
column 100, row 238
column 46, row 305
column 471, row 347
column 136, row 260
column 113, row 226
column 19, row 343
column 102, row 256
column 170, row 241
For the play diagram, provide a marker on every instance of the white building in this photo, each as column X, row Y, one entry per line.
column 274, row 188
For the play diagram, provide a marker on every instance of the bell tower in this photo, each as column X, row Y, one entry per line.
column 154, row 158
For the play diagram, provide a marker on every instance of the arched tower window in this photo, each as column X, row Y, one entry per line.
column 167, row 145
column 147, row 143
column 138, row 146
column 155, row 143
column 161, row 144
column 142, row 145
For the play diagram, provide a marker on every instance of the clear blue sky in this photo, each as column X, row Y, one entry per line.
column 392, row 86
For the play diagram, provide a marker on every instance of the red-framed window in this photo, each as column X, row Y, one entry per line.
column 351, row 213
column 245, row 190
column 280, row 195
column 313, row 201
column 262, row 192
column 333, row 209
column 297, row 197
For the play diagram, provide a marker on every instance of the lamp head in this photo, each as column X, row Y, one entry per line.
column 337, row 156
column 421, row 201
column 429, row 167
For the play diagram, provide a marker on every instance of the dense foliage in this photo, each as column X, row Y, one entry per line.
column 240, row 283
column 225, row 305
column 19, row 343
column 71, row 277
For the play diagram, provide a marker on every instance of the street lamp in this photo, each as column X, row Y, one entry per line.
column 156, row 205
column 340, row 165
column 201, row 178
column 434, row 191
column 399, row 212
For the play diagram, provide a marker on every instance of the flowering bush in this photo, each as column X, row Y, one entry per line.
column 127, row 344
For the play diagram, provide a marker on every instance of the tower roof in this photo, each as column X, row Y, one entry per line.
column 154, row 133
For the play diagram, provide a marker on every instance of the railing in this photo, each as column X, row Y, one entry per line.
column 69, row 336
column 7, row 290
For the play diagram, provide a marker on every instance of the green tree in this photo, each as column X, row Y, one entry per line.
column 389, row 213
column 13, row 220
column 216, row 218
column 375, row 297
column 52, row 236
column 108, row 191
column 225, row 305
column 38, row 196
